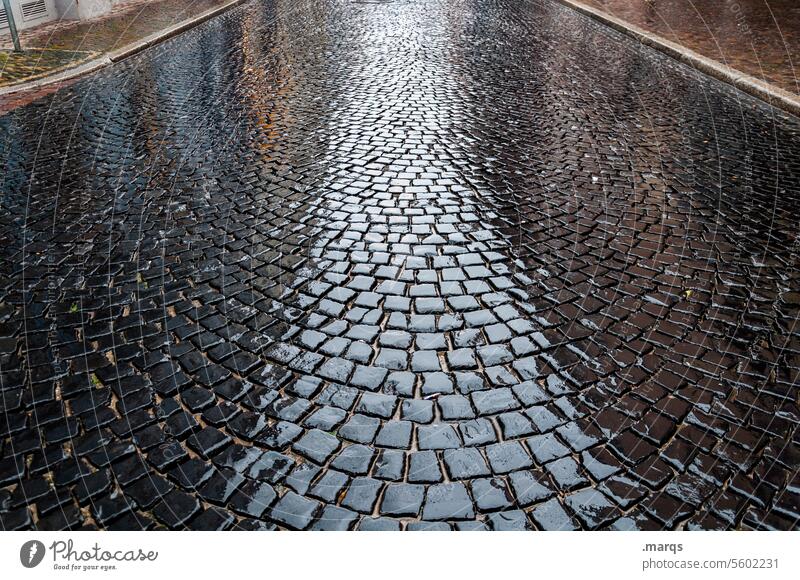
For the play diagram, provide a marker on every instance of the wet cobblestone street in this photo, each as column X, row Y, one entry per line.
column 379, row 265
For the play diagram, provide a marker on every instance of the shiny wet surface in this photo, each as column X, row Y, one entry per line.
column 57, row 46
column 33, row 63
column 758, row 37
column 409, row 264
column 127, row 23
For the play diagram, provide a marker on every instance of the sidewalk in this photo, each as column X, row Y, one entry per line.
column 63, row 45
column 757, row 37
column 743, row 34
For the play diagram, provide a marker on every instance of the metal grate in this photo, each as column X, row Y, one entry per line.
column 33, row 10
column 3, row 21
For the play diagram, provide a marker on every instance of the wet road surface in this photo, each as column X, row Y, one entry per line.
column 461, row 264
column 758, row 37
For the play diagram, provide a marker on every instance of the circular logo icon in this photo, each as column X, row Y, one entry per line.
column 31, row 553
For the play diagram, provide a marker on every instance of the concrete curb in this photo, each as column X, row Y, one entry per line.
column 121, row 53
column 772, row 95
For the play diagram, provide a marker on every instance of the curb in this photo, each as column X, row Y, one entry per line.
column 770, row 94
column 121, row 53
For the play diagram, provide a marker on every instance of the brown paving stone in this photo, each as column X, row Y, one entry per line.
column 758, row 37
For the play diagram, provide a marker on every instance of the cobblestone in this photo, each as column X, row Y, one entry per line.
column 466, row 266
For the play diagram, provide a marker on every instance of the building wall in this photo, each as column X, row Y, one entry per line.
column 85, row 9
column 30, row 13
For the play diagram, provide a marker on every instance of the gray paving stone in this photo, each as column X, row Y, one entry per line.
column 377, row 405
column 402, row 499
column 592, row 508
column 438, row 436
column 301, row 477
column 294, row 511
column 354, row 459
column 546, row 448
column 316, row 445
column 329, row 485
column 454, row 407
column 529, row 487
column 423, row 467
column 362, row 494
column 491, row 494
column 550, row 516
column 334, row 519
column 371, row 524
column 471, row 527
column 477, row 432
column 428, row 527
column 417, row 411
column 566, row 473
column 465, row 463
column 389, row 465
column 509, row 521
column 436, row 383
column 360, row 428
column 448, row 501
column 396, row 434
column 507, row 457
column 326, row 418
column 494, row 401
